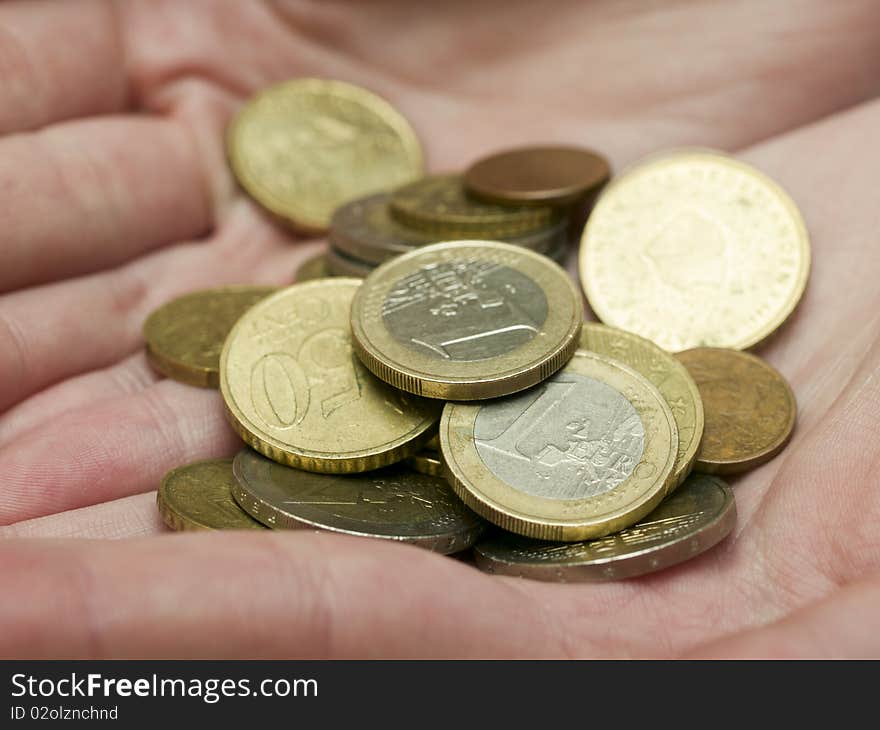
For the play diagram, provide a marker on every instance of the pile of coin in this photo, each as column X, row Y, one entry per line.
column 454, row 398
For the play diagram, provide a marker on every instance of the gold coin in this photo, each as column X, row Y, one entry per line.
column 199, row 497
column 304, row 147
column 750, row 409
column 184, row 337
column 295, row 392
column 669, row 376
column 339, row 264
column 466, row 320
column 428, row 462
column 695, row 248
column 584, row 454
column 314, row 267
column 439, row 204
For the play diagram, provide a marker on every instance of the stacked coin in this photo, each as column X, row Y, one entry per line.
column 455, row 398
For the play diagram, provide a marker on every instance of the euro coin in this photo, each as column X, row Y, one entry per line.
column 584, row 454
column 697, row 517
column 750, row 409
column 555, row 175
column 426, row 461
column 184, row 337
column 694, row 249
column 669, row 376
column 304, row 147
column 391, row 503
column 199, row 497
column 466, row 320
column 314, row 267
column 438, row 204
column 295, row 392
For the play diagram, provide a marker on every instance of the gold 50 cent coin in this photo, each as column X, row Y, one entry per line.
column 750, row 409
column 184, row 337
column 698, row 516
column 695, row 248
column 466, row 320
column 304, row 147
column 296, row 393
column 586, row 453
column 669, row 376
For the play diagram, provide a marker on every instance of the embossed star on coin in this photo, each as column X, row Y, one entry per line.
column 695, row 248
column 750, row 409
column 664, row 371
column 184, row 337
column 303, row 147
column 584, row 454
column 391, row 503
column 294, row 390
column 697, row 517
column 466, row 320
column 199, row 497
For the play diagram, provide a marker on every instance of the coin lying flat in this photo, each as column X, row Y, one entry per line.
column 295, row 392
column 303, row 147
column 391, row 503
column 584, row 454
column 550, row 175
column 199, row 497
column 184, row 337
column 466, row 320
column 698, row 516
column 314, row 267
column 669, row 376
column 720, row 252
column 439, row 204
column 750, row 409
column 427, row 461
column 364, row 229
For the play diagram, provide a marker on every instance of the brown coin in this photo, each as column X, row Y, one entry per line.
column 551, row 175
column 749, row 408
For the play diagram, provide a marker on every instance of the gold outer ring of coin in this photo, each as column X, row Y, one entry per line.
column 722, row 450
column 690, row 522
column 179, row 353
column 605, row 229
column 670, row 377
column 433, row 377
column 273, row 345
column 567, row 520
column 306, row 211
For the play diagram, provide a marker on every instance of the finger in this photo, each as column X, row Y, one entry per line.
column 135, row 516
column 268, row 595
column 89, row 195
column 46, row 77
column 116, row 448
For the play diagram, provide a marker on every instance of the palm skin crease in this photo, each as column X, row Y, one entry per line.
column 115, row 197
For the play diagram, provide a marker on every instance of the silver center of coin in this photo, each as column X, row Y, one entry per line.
column 571, row 437
column 465, row 310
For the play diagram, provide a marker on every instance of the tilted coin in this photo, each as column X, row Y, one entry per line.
column 365, row 230
column 466, row 320
column 698, row 516
column 550, row 175
column 314, row 267
column 750, row 409
column 584, row 454
column 295, row 392
column 695, row 248
column 426, row 461
column 199, row 497
column 391, row 503
column 303, row 147
column 439, row 204
column 669, row 376
column 184, row 337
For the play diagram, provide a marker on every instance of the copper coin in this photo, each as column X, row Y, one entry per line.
column 552, row 175
column 750, row 409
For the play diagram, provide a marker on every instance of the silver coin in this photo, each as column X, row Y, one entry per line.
column 696, row 517
column 391, row 503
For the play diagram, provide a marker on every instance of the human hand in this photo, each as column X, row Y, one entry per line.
column 115, row 197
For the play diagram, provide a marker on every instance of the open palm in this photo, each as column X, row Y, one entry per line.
column 115, row 197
